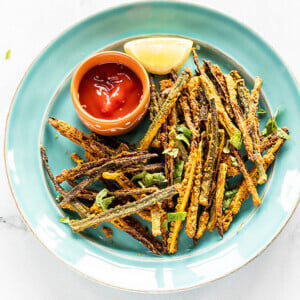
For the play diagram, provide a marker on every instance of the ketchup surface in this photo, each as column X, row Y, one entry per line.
column 110, row 91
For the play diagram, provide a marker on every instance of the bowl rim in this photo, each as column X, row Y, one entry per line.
column 144, row 81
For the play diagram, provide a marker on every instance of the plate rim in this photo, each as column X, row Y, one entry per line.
column 78, row 22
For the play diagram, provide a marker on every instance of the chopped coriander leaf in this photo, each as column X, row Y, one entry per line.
column 103, row 202
column 146, row 179
column 276, row 112
column 139, row 176
column 171, row 151
column 179, row 164
column 282, row 134
column 271, row 124
column 234, row 161
column 228, row 197
column 106, row 202
column 226, row 148
column 182, row 137
column 140, row 183
column 236, row 140
column 176, row 216
column 65, row 220
column 187, row 132
column 270, row 127
column 7, row 54
column 158, row 177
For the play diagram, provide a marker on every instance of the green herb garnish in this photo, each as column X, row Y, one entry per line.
column 101, row 199
column 140, row 183
column 171, row 151
column 187, row 132
column 179, row 164
column 282, row 134
column 271, row 124
column 234, row 161
column 65, row 220
column 236, row 140
column 139, row 176
column 176, row 216
column 228, row 197
column 226, row 148
column 57, row 197
column 146, row 179
column 7, row 54
column 182, row 137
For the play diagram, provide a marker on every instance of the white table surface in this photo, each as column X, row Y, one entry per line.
column 28, row 270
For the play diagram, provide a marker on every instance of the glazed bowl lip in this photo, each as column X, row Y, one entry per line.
column 145, row 98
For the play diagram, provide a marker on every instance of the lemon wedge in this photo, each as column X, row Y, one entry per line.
column 160, row 55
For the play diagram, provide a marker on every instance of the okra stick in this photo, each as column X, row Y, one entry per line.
column 242, row 91
column 211, row 93
column 253, row 125
column 75, row 205
column 153, row 107
column 183, row 100
column 174, row 75
column 124, row 210
column 165, row 110
column 124, row 182
column 239, row 116
column 216, row 71
column 247, row 177
column 73, row 134
column 156, row 220
column 134, row 191
column 200, row 69
column 219, row 152
column 203, row 220
column 95, row 173
column 208, row 170
column 184, row 194
column 193, row 89
column 243, row 192
column 179, row 145
column 191, row 219
column 216, row 209
column 219, row 87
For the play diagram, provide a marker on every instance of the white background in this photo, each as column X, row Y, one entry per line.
column 27, row 270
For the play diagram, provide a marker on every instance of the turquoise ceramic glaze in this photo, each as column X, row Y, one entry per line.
column 119, row 264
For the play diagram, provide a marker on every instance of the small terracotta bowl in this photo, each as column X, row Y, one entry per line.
column 121, row 125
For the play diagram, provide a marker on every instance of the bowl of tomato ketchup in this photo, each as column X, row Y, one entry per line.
column 110, row 92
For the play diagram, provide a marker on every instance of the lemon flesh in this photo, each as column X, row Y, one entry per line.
column 160, row 55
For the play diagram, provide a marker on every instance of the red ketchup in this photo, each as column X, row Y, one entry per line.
column 110, row 91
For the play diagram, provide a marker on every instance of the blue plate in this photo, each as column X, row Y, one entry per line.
column 126, row 264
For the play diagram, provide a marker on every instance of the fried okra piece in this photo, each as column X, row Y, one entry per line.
column 124, row 210
column 216, row 208
column 202, row 224
column 211, row 93
column 247, row 177
column 191, row 219
column 222, row 91
column 165, row 109
column 239, row 116
column 208, row 170
column 243, row 192
column 184, row 194
column 97, row 172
